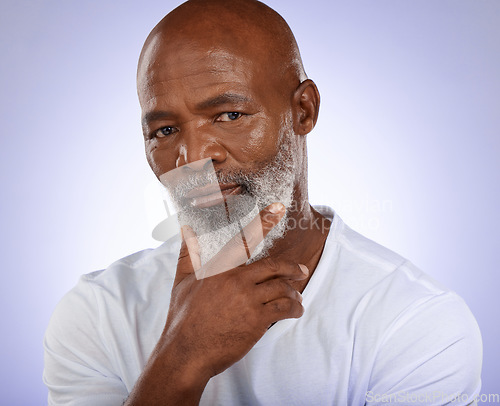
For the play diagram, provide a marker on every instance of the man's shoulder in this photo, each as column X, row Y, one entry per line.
column 123, row 287
column 357, row 245
column 405, row 326
column 379, row 284
column 138, row 268
column 126, row 282
column 352, row 256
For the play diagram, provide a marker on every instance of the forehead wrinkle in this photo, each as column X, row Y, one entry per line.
column 232, row 89
column 218, row 64
column 151, row 81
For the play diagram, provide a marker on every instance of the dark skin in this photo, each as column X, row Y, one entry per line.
column 209, row 88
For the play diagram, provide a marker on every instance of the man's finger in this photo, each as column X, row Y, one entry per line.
column 283, row 308
column 276, row 289
column 269, row 218
column 261, row 225
column 268, row 268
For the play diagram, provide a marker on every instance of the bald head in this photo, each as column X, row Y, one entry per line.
column 247, row 28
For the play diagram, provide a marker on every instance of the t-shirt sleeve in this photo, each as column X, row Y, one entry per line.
column 78, row 368
column 430, row 355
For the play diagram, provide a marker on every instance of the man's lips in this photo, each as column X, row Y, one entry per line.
column 211, row 195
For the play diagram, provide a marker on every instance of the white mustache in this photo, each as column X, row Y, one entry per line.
column 180, row 189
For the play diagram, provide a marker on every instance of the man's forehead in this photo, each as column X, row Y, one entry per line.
column 166, row 59
column 168, row 71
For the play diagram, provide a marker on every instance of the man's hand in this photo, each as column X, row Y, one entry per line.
column 213, row 322
column 220, row 318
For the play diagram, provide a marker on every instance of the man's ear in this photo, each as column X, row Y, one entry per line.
column 306, row 107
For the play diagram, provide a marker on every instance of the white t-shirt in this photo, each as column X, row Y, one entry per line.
column 376, row 330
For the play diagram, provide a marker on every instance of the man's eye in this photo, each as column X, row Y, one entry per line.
column 164, row 131
column 229, row 116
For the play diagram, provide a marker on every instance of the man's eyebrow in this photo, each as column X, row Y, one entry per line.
column 155, row 115
column 226, row 98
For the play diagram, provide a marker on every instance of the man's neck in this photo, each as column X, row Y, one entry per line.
column 304, row 240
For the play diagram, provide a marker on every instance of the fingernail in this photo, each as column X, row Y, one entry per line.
column 276, row 208
column 304, row 269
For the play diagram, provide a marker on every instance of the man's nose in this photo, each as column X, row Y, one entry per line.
column 199, row 145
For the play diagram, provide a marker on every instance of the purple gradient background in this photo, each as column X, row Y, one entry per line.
column 410, row 117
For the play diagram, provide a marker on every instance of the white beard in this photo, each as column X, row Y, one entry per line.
column 274, row 182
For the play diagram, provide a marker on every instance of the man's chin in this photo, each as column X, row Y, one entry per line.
column 208, row 218
column 214, row 231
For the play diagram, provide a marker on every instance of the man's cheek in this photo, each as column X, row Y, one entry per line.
column 159, row 159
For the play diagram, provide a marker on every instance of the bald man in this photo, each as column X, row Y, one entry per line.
column 271, row 302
